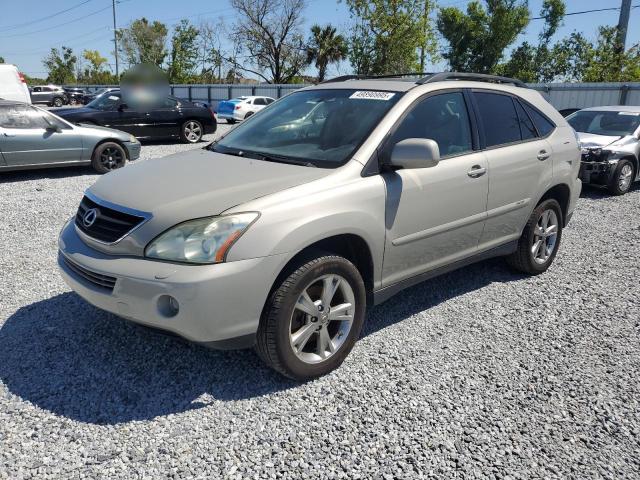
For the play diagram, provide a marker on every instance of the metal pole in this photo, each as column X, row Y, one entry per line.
column 623, row 25
column 115, row 38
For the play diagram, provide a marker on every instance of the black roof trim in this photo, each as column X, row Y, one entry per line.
column 344, row 78
column 473, row 77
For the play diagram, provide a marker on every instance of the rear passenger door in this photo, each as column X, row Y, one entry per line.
column 435, row 216
column 520, row 164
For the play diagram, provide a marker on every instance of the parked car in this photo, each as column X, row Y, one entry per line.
column 282, row 242
column 51, row 95
column 171, row 118
column 90, row 96
column 610, row 142
column 12, row 84
column 76, row 95
column 241, row 108
column 34, row 138
column 565, row 112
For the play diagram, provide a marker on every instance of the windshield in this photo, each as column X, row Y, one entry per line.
column 320, row 127
column 609, row 123
column 107, row 101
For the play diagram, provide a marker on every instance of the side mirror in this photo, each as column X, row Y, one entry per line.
column 53, row 129
column 122, row 107
column 415, row 153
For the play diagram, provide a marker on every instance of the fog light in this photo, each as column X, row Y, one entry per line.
column 168, row 306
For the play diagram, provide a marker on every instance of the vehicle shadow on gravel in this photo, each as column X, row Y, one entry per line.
column 65, row 356
column 46, row 174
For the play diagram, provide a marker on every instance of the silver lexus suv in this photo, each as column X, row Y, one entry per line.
column 280, row 234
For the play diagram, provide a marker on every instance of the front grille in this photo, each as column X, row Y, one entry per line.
column 97, row 279
column 109, row 225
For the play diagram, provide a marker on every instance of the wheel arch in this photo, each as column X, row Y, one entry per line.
column 110, row 140
column 562, row 194
column 351, row 246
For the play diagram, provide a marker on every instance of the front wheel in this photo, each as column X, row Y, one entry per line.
column 58, row 102
column 540, row 239
column 108, row 156
column 191, row 131
column 622, row 177
column 313, row 318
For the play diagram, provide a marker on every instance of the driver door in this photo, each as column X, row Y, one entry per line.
column 25, row 138
column 435, row 216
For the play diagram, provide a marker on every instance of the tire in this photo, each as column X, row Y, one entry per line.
column 248, row 115
column 286, row 314
column 191, row 131
column 535, row 260
column 622, row 177
column 58, row 102
column 231, row 121
column 108, row 156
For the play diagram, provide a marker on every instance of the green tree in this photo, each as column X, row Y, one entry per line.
column 95, row 71
column 325, row 46
column 388, row 34
column 606, row 63
column 143, row 42
column 60, row 65
column 2, row 60
column 184, row 52
column 478, row 38
column 541, row 62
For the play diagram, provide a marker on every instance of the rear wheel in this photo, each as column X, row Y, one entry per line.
column 540, row 239
column 313, row 318
column 622, row 177
column 231, row 121
column 248, row 115
column 108, row 156
column 191, row 131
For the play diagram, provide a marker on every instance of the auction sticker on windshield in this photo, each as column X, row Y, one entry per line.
column 372, row 95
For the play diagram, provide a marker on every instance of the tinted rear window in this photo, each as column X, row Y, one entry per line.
column 499, row 118
column 544, row 125
column 527, row 130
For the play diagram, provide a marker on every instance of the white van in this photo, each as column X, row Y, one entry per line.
column 12, row 84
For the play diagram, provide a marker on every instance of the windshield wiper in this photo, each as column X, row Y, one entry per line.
column 268, row 157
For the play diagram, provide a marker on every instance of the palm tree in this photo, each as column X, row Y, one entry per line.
column 325, row 47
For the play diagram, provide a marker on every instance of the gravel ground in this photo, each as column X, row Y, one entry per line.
column 481, row 373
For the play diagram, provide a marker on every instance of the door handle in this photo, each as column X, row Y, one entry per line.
column 543, row 155
column 476, row 171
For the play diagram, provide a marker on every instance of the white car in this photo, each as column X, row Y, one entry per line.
column 241, row 108
column 13, row 85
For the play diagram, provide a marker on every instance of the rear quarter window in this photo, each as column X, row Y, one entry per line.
column 542, row 123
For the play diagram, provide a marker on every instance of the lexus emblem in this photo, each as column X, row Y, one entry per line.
column 90, row 217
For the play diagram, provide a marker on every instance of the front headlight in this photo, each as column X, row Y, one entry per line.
column 204, row 240
column 133, row 139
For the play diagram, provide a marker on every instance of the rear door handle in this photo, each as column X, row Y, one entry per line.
column 542, row 155
column 476, row 171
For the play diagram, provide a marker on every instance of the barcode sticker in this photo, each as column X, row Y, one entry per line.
column 372, row 95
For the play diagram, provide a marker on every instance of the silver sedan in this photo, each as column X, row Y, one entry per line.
column 31, row 137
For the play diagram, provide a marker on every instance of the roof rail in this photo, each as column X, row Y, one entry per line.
column 474, row 77
column 344, row 78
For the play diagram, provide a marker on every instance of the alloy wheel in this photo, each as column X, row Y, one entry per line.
column 624, row 179
column 111, row 158
column 322, row 318
column 192, row 131
column 545, row 236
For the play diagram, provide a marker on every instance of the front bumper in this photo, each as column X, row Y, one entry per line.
column 219, row 305
column 133, row 150
column 597, row 173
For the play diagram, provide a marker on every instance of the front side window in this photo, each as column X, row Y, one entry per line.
column 499, row 118
column 107, row 101
column 609, row 123
column 320, row 127
column 21, row 117
column 442, row 118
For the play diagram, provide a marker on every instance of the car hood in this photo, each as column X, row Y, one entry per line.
column 196, row 184
column 591, row 140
